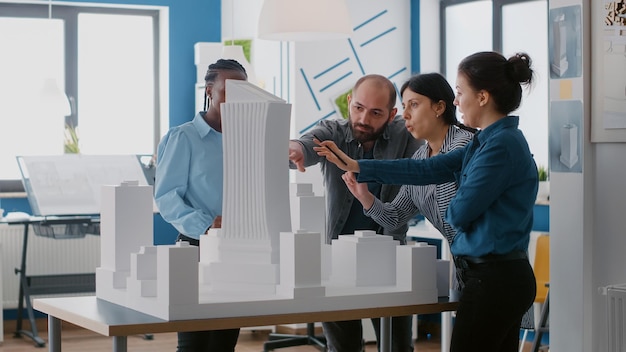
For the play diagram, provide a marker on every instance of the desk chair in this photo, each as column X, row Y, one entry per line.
column 541, row 267
column 285, row 340
column 543, row 326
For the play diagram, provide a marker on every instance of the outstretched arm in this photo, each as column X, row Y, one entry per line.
column 332, row 153
column 296, row 155
column 359, row 190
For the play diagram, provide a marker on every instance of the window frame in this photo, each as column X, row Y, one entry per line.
column 69, row 14
column 496, row 25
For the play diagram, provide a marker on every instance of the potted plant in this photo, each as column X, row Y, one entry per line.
column 543, row 193
column 71, row 145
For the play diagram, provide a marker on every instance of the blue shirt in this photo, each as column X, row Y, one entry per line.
column 492, row 211
column 189, row 176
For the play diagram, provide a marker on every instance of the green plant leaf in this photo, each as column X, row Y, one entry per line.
column 542, row 173
column 71, row 140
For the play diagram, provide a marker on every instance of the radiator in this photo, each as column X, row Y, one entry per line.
column 45, row 256
column 616, row 313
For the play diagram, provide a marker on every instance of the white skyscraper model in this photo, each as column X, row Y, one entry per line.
column 243, row 256
column 256, row 262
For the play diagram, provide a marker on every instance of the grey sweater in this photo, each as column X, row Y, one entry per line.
column 395, row 143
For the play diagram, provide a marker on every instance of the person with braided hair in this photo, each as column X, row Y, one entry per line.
column 189, row 182
column 492, row 211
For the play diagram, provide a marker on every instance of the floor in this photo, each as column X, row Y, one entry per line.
column 80, row 340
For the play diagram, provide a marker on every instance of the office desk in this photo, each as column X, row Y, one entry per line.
column 119, row 322
column 46, row 284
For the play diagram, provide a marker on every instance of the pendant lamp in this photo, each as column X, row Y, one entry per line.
column 304, row 20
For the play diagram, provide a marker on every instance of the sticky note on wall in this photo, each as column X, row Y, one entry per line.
column 565, row 89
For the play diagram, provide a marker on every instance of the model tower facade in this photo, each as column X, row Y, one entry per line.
column 244, row 253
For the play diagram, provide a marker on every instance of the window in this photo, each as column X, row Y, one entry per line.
column 105, row 59
column 506, row 26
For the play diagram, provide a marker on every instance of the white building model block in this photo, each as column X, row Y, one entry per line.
column 256, row 262
column 364, row 259
column 124, row 229
column 300, row 258
column 308, row 213
column 307, row 209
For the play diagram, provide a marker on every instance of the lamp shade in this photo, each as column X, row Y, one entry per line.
column 304, row 20
column 53, row 99
column 235, row 52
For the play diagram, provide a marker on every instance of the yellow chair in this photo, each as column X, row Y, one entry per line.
column 541, row 268
column 542, row 275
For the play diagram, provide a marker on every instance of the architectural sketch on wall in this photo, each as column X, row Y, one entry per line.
column 608, row 71
column 569, row 145
column 614, row 64
column 558, row 64
column 255, row 262
column 565, row 137
column 565, row 42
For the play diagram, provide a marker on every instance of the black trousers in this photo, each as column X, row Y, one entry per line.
column 347, row 336
column 493, row 300
column 201, row 341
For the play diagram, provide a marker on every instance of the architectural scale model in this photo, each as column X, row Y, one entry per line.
column 255, row 262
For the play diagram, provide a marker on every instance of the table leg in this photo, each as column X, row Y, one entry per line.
column 54, row 334
column 446, row 331
column 385, row 334
column 24, row 297
column 120, row 343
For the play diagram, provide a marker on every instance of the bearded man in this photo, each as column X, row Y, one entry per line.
column 372, row 131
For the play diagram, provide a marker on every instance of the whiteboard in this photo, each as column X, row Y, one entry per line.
column 71, row 184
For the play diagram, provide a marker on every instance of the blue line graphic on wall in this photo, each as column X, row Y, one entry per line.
column 315, row 123
column 379, row 36
column 356, row 56
column 335, row 81
column 370, row 20
column 397, row 72
column 308, row 85
column 331, row 68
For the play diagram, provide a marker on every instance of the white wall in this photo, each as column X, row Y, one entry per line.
column 587, row 222
column 311, row 74
column 609, row 231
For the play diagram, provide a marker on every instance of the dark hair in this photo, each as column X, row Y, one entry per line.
column 382, row 82
column 500, row 77
column 220, row 65
column 435, row 87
